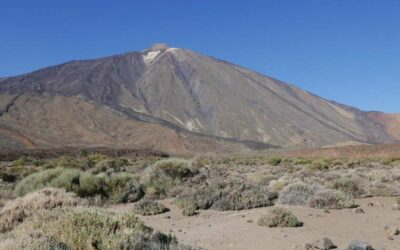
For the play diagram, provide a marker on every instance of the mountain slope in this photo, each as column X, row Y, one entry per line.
column 178, row 92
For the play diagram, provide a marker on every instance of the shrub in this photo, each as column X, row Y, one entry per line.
column 36, row 181
column 82, row 183
column 97, row 157
column 319, row 165
column 13, row 174
column 353, row 163
column 90, row 185
column 275, row 161
column 6, row 192
column 149, row 207
column 176, row 168
column 188, row 207
column 123, row 187
column 83, row 228
column 231, row 194
column 165, row 174
column 83, row 153
column 109, row 165
column 398, row 201
column 67, row 179
column 245, row 197
column 33, row 241
column 7, row 177
column 64, row 161
column 348, row 186
column 388, row 161
column 15, row 211
column 301, row 161
column 21, row 162
column 279, row 184
column 201, row 197
column 279, row 217
column 296, row 194
column 331, row 199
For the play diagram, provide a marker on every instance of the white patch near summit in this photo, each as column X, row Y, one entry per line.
column 171, row 49
column 149, row 56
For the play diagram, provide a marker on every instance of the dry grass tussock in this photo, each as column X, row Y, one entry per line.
column 279, row 217
column 89, row 228
column 16, row 211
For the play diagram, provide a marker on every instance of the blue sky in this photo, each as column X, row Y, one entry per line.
column 345, row 50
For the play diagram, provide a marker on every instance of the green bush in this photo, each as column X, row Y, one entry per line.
column 109, row 165
column 176, row 168
column 73, row 162
column 274, row 161
column 96, row 157
column 124, row 187
column 149, row 207
column 16, row 173
column 319, row 165
column 90, row 185
column 82, row 183
column 68, row 179
column 388, row 161
column 36, row 181
column 279, row 217
column 20, row 162
column 160, row 178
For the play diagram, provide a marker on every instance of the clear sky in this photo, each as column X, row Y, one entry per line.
column 345, row 50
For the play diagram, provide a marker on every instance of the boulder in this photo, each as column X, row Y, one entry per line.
column 359, row 245
column 358, row 211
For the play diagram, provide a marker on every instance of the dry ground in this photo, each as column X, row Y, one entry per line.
column 212, row 229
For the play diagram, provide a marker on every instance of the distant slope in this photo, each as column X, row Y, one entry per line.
column 390, row 122
column 167, row 97
column 351, row 151
column 59, row 121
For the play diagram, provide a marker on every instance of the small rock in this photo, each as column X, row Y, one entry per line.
column 249, row 221
column 322, row 244
column 303, row 247
column 359, row 245
column 370, row 204
column 167, row 217
column 391, row 231
column 358, row 211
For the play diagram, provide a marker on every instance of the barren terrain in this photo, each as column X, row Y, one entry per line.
column 232, row 230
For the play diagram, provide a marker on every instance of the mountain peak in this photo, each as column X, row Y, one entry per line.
column 158, row 46
column 176, row 100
